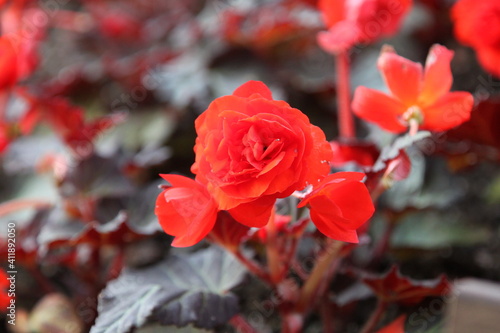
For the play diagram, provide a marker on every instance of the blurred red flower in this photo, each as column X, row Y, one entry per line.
column 339, row 205
column 251, row 150
column 8, row 64
column 477, row 24
column 186, row 210
column 4, row 296
column 359, row 21
column 415, row 94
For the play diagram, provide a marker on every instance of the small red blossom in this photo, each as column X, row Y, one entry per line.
column 421, row 95
column 359, row 21
column 339, row 205
column 251, row 150
column 4, row 296
column 186, row 210
column 477, row 24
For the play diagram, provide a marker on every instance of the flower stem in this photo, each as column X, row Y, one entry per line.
column 321, row 274
column 345, row 119
column 253, row 267
column 273, row 257
column 375, row 317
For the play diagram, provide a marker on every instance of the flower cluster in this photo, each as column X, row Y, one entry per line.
column 250, row 151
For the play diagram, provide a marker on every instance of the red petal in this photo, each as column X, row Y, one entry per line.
column 354, row 201
column 185, row 211
column 8, row 64
column 332, row 11
column 438, row 77
column 379, row 108
column 396, row 326
column 489, row 58
column 254, row 214
column 402, row 76
column 253, row 87
column 449, row 111
column 340, row 37
column 330, row 228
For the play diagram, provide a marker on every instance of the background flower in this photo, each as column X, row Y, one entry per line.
column 477, row 24
column 418, row 94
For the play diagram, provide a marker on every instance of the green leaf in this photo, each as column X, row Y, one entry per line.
column 431, row 230
column 184, row 289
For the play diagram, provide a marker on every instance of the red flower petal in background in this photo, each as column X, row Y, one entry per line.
column 363, row 154
column 8, row 64
column 477, row 24
column 339, row 205
column 186, row 210
column 421, row 96
column 394, row 287
column 350, row 22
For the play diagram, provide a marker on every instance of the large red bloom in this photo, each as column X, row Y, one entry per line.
column 415, row 93
column 251, row 150
column 359, row 21
column 186, row 210
column 477, row 24
column 339, row 205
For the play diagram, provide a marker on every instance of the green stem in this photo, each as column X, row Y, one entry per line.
column 319, row 277
column 345, row 118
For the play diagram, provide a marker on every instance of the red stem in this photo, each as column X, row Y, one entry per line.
column 375, row 317
column 345, row 118
column 253, row 267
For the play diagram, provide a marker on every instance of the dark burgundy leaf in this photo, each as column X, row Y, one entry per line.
column 394, row 287
column 181, row 290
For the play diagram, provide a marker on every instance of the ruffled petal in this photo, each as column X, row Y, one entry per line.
column 251, row 88
column 449, row 111
column 254, row 214
column 379, row 108
column 402, row 76
column 437, row 78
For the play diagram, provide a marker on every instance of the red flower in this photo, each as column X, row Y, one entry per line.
column 339, row 205
column 186, row 210
column 477, row 24
column 359, row 21
column 8, row 64
column 251, row 150
column 416, row 94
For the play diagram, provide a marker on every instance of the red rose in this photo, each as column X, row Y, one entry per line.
column 419, row 94
column 339, row 205
column 251, row 150
column 186, row 210
column 477, row 24
column 359, row 21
